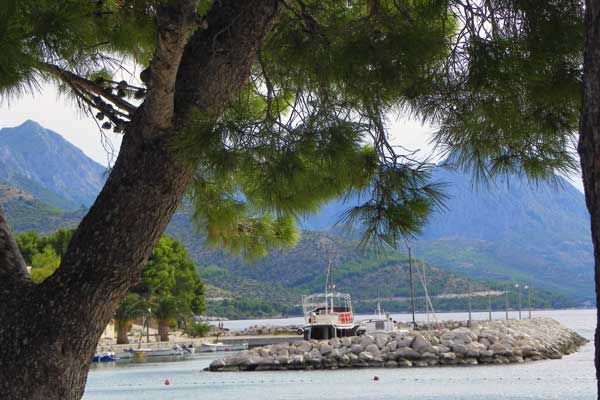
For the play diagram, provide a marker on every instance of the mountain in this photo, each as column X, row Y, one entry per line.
column 25, row 213
column 509, row 229
column 43, row 164
column 486, row 239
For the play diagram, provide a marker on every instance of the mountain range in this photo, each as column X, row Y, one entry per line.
column 487, row 237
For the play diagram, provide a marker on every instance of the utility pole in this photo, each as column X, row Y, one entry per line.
column 489, row 305
column 506, row 303
column 518, row 287
column 469, row 324
column 412, row 288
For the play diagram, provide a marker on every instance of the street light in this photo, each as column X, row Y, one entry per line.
column 506, row 304
column 518, row 287
column 148, row 326
column 528, row 299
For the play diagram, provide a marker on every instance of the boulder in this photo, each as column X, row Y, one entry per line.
column 367, row 340
column 335, row 343
column 381, row 340
column 325, row 349
column 420, row 344
column 404, row 341
column 346, row 341
column 447, row 358
column 356, row 348
column 407, row 353
column 373, row 349
column 404, row 363
column 304, row 346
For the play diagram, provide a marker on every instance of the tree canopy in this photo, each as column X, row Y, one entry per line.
column 170, row 274
column 501, row 80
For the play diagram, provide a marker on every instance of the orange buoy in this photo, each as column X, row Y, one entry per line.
column 375, row 378
column 167, row 382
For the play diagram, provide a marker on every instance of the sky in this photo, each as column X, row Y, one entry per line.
column 62, row 116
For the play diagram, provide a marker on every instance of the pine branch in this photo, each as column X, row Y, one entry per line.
column 75, row 80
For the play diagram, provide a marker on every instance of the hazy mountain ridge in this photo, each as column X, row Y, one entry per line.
column 505, row 230
column 42, row 163
column 473, row 238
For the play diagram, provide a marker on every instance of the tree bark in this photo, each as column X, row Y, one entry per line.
column 123, row 331
column 163, row 330
column 49, row 332
column 589, row 147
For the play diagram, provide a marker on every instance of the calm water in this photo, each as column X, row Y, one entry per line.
column 571, row 378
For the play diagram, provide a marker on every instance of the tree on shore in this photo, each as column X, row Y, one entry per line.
column 259, row 111
column 132, row 307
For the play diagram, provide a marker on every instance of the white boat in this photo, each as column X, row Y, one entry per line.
column 173, row 351
column 382, row 323
column 328, row 315
column 208, row 347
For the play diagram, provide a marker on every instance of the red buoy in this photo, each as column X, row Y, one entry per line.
column 167, row 382
column 375, row 378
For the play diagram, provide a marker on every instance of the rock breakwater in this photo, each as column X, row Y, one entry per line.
column 494, row 342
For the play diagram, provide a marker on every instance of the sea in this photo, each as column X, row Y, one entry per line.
column 570, row 378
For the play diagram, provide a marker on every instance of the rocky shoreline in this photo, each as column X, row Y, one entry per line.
column 494, row 342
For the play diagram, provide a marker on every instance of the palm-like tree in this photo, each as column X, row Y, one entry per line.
column 131, row 308
column 166, row 310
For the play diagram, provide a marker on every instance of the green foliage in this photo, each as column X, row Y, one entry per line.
column 197, row 329
column 132, row 307
column 43, row 264
column 171, row 274
column 502, row 80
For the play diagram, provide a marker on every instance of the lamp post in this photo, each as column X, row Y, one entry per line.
column 469, row 305
column 148, row 326
column 518, row 287
column 506, row 303
column 489, row 305
column 528, row 300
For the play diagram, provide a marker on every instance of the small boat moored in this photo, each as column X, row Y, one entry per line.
column 208, row 347
column 107, row 356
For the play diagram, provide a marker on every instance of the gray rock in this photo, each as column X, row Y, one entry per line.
column 356, row 348
column 304, row 346
column 391, row 364
column 420, row 344
column 325, row 349
column 366, row 356
column 392, row 345
column 366, row 340
column 407, row 353
column 381, row 340
column 335, row 343
column 217, row 365
column 404, row 341
column 404, row 363
column 447, row 358
column 373, row 349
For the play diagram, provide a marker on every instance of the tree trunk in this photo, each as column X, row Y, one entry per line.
column 123, row 332
column 163, row 330
column 589, row 146
column 49, row 332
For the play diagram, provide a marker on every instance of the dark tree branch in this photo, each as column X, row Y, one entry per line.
column 75, row 80
column 176, row 22
column 214, row 48
column 13, row 270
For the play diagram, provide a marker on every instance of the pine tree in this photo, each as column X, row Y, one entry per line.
column 262, row 110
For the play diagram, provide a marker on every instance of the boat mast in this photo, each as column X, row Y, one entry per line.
column 412, row 288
